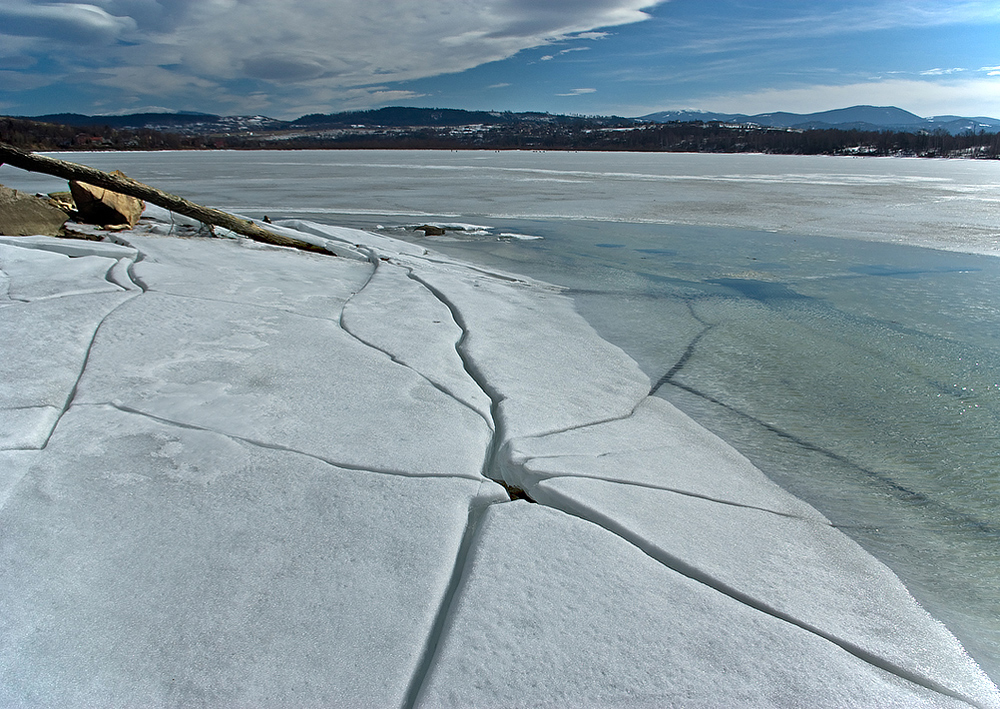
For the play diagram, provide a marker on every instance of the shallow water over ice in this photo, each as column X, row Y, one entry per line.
column 861, row 372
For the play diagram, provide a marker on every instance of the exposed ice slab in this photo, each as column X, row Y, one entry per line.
column 37, row 274
column 801, row 570
column 148, row 565
column 268, row 487
column 403, row 318
column 246, row 272
column 553, row 611
column 657, row 447
column 282, row 380
column 45, row 344
column 70, row 247
column 546, row 367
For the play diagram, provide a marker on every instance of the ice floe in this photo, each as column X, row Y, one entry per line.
column 234, row 474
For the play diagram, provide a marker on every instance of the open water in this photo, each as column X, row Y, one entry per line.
column 835, row 319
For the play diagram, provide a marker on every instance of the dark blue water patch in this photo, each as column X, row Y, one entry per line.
column 610, row 246
column 897, row 272
column 763, row 291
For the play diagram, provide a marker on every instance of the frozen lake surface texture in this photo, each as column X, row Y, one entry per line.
column 237, row 475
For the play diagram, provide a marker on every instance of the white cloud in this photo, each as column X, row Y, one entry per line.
column 302, row 48
column 579, row 92
column 73, row 22
column 967, row 97
column 549, row 57
column 941, row 72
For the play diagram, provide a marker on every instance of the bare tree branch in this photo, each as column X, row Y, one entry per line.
column 126, row 185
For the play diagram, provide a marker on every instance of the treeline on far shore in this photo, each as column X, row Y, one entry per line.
column 643, row 137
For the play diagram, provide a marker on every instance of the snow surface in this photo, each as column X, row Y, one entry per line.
column 240, row 475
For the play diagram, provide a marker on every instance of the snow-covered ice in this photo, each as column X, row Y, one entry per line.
column 151, row 565
column 240, row 475
column 555, row 612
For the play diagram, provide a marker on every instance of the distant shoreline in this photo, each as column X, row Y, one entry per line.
column 581, row 134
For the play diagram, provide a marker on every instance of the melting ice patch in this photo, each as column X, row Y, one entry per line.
column 459, row 230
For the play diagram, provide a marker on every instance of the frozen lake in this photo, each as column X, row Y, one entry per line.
column 836, row 319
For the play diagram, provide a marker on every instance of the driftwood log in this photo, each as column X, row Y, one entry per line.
column 126, row 185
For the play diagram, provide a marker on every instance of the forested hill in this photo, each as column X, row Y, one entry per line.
column 416, row 128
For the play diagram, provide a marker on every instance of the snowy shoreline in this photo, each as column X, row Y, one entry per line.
column 245, row 474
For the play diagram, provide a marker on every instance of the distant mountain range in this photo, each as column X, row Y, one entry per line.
column 861, row 130
column 869, row 118
column 392, row 117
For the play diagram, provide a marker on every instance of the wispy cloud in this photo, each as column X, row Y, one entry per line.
column 942, row 72
column 579, row 92
column 549, row 57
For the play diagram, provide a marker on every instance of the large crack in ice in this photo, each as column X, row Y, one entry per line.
column 477, row 509
column 490, row 466
column 492, row 471
column 376, row 261
column 677, row 564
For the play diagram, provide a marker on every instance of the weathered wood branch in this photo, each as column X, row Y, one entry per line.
column 126, row 185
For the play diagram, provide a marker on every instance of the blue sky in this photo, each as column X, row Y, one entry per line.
column 285, row 58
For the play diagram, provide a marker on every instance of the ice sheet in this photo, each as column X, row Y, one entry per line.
column 150, row 565
column 266, row 486
column 553, row 611
column 657, row 447
column 243, row 271
column 36, row 274
column 13, row 467
column 45, row 344
column 800, row 570
column 404, row 319
column 545, row 367
column 263, row 374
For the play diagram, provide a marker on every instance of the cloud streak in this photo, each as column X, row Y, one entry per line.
column 65, row 22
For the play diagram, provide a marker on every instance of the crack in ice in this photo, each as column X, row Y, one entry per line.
column 490, row 466
column 395, row 360
column 674, row 563
column 677, row 491
column 83, row 368
column 687, row 354
column 893, row 486
column 437, row 632
column 275, row 446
